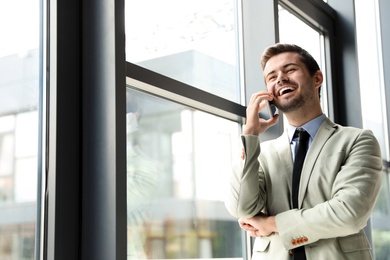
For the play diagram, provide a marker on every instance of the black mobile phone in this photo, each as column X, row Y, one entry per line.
column 269, row 111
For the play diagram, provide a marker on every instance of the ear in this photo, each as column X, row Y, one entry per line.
column 318, row 78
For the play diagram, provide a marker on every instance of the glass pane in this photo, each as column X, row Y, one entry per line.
column 372, row 87
column 178, row 161
column 19, row 93
column 370, row 73
column 193, row 41
column 380, row 221
column 294, row 30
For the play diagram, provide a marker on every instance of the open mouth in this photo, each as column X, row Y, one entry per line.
column 285, row 90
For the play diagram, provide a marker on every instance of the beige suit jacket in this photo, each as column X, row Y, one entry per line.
column 340, row 182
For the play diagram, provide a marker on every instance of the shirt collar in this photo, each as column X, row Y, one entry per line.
column 311, row 127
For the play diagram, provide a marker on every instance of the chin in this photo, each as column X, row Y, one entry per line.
column 290, row 105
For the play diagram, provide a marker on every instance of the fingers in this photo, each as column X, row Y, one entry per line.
column 272, row 121
column 262, row 105
column 259, row 102
column 267, row 123
column 254, row 124
column 258, row 98
column 245, row 225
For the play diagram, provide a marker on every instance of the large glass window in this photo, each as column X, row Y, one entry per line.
column 374, row 112
column 19, row 97
column 193, row 41
column 178, row 163
column 179, row 157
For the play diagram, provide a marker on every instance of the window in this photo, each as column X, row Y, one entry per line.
column 374, row 113
column 193, row 41
column 294, row 30
column 19, row 128
column 178, row 163
column 179, row 214
column 179, row 157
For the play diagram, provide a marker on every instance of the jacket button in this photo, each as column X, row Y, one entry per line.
column 299, row 240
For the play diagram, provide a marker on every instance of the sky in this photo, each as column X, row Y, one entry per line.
column 19, row 26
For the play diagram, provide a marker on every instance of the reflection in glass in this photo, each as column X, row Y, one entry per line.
column 193, row 41
column 178, row 163
column 19, row 93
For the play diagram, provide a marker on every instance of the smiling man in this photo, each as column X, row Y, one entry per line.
column 318, row 210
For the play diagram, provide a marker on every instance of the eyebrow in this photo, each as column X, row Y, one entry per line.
column 284, row 66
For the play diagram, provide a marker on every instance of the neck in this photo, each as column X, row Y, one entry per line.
column 302, row 116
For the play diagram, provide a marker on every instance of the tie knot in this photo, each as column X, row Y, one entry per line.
column 301, row 134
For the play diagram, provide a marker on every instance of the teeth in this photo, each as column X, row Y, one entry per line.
column 284, row 90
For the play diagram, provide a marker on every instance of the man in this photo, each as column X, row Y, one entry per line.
column 323, row 215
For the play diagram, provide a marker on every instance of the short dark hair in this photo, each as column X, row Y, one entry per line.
column 279, row 48
column 305, row 56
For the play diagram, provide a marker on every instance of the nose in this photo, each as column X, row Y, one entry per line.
column 282, row 77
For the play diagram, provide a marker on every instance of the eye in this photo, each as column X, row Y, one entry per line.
column 271, row 78
column 291, row 69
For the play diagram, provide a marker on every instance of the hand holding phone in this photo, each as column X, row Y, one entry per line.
column 270, row 111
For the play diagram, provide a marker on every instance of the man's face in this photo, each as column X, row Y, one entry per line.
column 288, row 79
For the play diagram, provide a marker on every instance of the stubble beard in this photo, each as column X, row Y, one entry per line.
column 291, row 104
column 296, row 102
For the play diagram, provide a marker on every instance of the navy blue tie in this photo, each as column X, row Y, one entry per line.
column 300, row 155
column 303, row 137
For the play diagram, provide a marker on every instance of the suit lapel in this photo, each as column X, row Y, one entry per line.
column 324, row 133
column 285, row 157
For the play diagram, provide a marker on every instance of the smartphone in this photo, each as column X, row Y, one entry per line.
column 269, row 111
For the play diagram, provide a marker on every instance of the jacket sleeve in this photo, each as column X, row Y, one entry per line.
column 246, row 195
column 354, row 192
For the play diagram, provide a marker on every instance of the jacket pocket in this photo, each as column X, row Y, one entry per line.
column 261, row 244
column 353, row 243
